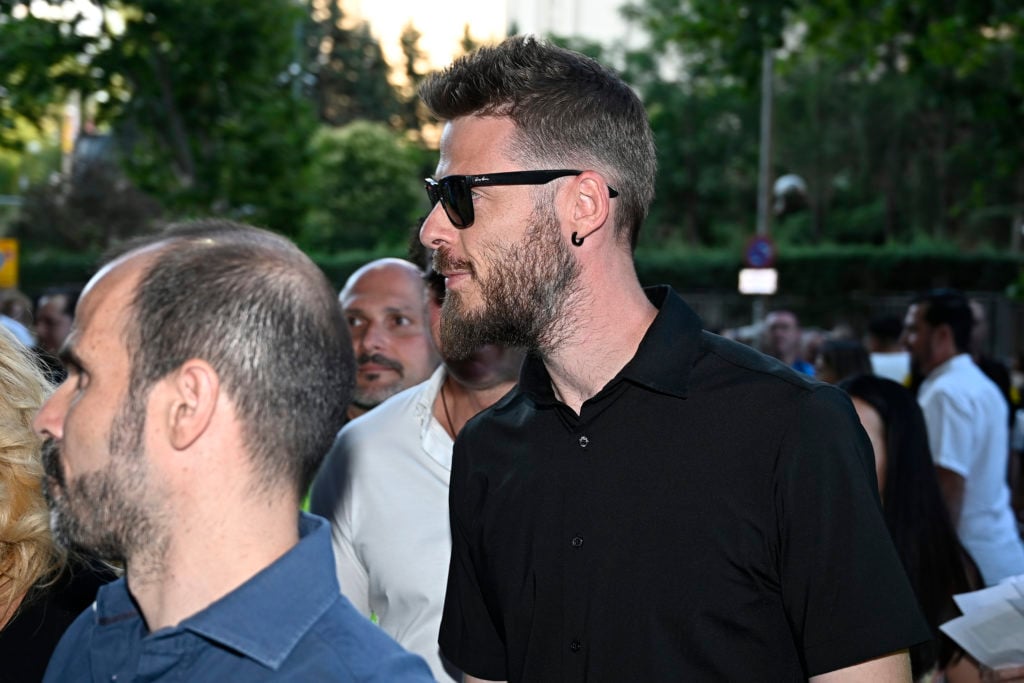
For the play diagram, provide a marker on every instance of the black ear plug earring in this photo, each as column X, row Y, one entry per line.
column 577, row 241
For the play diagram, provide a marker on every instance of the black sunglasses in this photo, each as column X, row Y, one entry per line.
column 453, row 191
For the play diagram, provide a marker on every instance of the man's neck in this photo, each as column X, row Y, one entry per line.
column 457, row 403
column 944, row 360
column 610, row 324
column 353, row 411
column 208, row 557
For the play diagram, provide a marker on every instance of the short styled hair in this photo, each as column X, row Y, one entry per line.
column 569, row 111
column 949, row 307
column 265, row 317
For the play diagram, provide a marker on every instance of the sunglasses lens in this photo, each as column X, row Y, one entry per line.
column 457, row 200
column 433, row 191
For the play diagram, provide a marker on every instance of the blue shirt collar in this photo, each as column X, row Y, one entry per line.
column 273, row 597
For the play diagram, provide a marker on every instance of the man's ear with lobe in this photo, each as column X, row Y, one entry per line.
column 590, row 205
column 195, row 388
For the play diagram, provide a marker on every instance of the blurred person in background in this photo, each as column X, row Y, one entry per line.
column 385, row 303
column 888, row 357
column 995, row 369
column 918, row 520
column 783, row 340
column 839, row 359
column 55, row 314
column 968, row 431
column 387, row 478
column 16, row 315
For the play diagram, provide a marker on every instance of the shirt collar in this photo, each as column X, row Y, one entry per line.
column 662, row 362
column 957, row 362
column 435, row 440
column 265, row 617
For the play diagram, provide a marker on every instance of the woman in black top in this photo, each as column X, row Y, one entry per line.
column 936, row 564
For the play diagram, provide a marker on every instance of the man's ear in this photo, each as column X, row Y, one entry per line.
column 944, row 337
column 590, row 204
column 194, row 387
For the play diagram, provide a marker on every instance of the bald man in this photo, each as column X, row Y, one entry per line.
column 169, row 453
column 385, row 304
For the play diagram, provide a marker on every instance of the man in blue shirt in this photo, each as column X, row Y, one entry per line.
column 782, row 340
column 209, row 369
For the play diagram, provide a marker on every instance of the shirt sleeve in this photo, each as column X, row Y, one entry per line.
column 950, row 426
column 844, row 588
column 331, row 498
column 469, row 636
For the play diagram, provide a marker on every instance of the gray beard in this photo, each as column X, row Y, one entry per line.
column 524, row 297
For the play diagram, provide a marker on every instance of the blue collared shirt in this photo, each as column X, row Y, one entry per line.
column 287, row 623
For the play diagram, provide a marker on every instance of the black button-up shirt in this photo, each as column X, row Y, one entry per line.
column 710, row 515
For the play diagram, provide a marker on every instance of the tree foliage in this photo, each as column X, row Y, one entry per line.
column 903, row 116
column 85, row 211
column 350, row 72
column 197, row 95
column 367, row 188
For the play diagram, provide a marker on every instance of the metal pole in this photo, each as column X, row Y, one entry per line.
column 765, row 163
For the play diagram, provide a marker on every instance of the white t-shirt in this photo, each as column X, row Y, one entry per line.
column 389, row 518
column 966, row 418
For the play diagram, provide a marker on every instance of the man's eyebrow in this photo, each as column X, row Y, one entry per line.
column 403, row 309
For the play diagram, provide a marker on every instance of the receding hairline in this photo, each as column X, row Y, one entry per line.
column 406, row 268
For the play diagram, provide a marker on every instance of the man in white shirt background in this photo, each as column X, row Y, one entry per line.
column 384, row 488
column 966, row 417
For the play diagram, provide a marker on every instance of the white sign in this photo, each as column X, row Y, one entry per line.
column 759, row 281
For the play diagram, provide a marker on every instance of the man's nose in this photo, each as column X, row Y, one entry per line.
column 437, row 230
column 49, row 421
column 374, row 338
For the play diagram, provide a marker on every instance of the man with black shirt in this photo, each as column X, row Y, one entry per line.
column 652, row 502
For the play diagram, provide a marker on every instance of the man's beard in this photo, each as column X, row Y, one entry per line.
column 104, row 511
column 371, row 397
column 523, row 298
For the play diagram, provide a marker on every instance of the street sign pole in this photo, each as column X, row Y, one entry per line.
column 765, row 165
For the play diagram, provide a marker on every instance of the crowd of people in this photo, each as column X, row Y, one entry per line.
column 522, row 465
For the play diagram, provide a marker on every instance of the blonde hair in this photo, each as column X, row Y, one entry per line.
column 28, row 552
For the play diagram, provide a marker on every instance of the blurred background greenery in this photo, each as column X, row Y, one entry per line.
column 900, row 121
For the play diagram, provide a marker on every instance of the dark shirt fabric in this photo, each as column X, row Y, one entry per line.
column 997, row 371
column 711, row 515
column 28, row 640
column 287, row 623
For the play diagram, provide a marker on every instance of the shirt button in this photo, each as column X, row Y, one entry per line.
column 584, row 441
column 575, row 646
column 577, row 541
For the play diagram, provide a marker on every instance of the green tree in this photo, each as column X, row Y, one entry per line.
column 368, row 190
column 84, row 211
column 197, row 93
column 902, row 115
column 468, row 43
column 414, row 112
column 351, row 74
